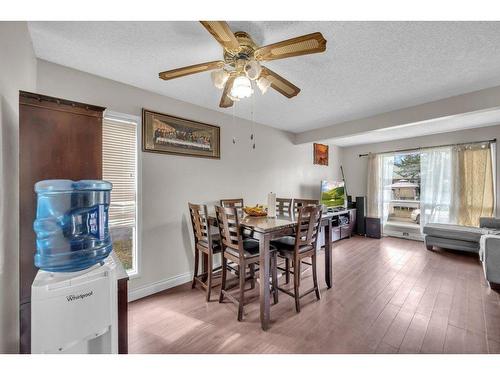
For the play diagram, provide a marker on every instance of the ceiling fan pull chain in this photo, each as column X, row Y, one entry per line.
column 234, row 138
column 252, row 136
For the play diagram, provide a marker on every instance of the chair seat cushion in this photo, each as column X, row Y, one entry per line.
column 251, row 248
column 287, row 242
column 216, row 248
column 455, row 232
column 285, row 245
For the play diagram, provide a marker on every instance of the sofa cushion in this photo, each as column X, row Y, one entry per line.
column 455, row 232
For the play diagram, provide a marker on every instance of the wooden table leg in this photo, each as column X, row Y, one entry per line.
column 328, row 254
column 264, row 269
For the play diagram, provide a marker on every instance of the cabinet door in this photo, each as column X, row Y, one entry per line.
column 58, row 139
column 336, row 233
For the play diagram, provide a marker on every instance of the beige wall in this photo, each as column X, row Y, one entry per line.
column 169, row 182
column 355, row 167
column 17, row 72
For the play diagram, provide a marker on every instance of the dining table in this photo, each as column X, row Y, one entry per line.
column 265, row 229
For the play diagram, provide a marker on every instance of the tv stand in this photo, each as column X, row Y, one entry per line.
column 343, row 222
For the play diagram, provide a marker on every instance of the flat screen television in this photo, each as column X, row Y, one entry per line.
column 333, row 194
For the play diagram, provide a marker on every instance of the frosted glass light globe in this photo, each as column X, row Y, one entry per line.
column 253, row 69
column 242, row 88
column 219, row 78
column 263, row 84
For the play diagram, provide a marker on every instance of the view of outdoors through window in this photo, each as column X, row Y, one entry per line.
column 123, row 245
column 404, row 207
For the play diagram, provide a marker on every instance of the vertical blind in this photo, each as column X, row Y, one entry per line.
column 119, row 149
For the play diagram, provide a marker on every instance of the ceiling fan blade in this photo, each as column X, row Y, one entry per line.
column 222, row 33
column 192, row 69
column 302, row 45
column 225, row 100
column 280, row 84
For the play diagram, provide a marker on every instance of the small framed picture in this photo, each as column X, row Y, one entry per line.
column 320, row 154
column 174, row 135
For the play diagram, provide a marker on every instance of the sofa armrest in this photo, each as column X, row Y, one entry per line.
column 490, row 256
column 489, row 222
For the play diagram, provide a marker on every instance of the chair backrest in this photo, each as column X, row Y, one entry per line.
column 229, row 228
column 201, row 223
column 298, row 203
column 284, row 206
column 308, row 223
column 238, row 202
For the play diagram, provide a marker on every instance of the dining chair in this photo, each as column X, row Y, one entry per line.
column 238, row 202
column 243, row 252
column 206, row 243
column 298, row 203
column 284, row 206
column 302, row 246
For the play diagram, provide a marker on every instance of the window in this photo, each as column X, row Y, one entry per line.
column 401, row 197
column 119, row 149
column 405, row 197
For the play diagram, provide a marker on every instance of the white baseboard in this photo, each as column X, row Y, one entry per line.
column 159, row 286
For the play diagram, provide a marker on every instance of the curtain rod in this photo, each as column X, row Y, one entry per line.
column 426, row 147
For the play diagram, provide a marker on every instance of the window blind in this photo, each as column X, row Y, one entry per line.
column 119, row 148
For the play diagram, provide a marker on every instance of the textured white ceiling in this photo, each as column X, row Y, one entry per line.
column 368, row 68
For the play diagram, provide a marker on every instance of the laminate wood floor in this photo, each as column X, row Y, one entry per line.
column 389, row 296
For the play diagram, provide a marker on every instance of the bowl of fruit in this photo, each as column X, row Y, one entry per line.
column 257, row 210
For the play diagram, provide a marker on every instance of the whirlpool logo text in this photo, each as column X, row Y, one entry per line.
column 75, row 297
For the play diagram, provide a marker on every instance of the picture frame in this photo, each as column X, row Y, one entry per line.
column 167, row 134
column 320, row 154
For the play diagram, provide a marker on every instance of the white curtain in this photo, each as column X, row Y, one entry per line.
column 373, row 186
column 438, row 181
column 386, row 185
column 379, row 190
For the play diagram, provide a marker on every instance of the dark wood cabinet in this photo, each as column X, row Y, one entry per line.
column 343, row 224
column 58, row 139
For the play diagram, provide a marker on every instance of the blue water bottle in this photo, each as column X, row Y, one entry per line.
column 71, row 224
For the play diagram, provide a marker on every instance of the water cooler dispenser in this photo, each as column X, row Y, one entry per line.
column 74, row 296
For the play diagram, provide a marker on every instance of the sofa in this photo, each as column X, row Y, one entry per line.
column 484, row 240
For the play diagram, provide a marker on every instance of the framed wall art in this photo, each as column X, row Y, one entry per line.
column 320, row 154
column 168, row 134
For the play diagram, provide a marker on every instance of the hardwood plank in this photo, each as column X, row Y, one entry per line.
column 475, row 343
column 389, row 295
column 396, row 332
column 493, row 347
column 458, row 313
column 377, row 331
column 415, row 334
column 438, row 323
column 455, row 340
column 384, row 348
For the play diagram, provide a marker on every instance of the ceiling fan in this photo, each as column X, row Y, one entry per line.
column 241, row 64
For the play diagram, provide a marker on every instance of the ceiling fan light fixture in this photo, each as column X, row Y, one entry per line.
column 219, row 78
column 242, row 88
column 253, row 69
column 263, row 84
